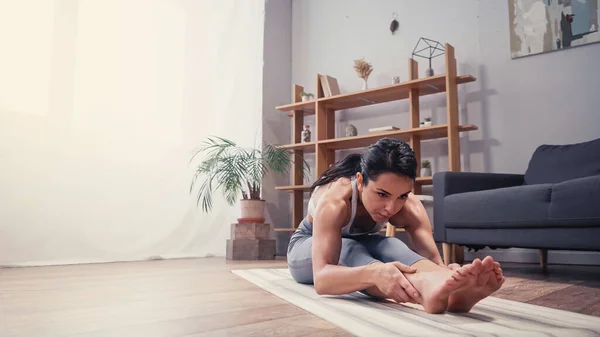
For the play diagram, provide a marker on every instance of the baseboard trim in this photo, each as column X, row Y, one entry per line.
column 518, row 255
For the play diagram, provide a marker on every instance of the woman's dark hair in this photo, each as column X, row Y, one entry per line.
column 387, row 155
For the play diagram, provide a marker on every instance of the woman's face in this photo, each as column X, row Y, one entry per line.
column 384, row 196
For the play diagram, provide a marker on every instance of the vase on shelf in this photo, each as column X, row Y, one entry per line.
column 365, row 86
column 306, row 134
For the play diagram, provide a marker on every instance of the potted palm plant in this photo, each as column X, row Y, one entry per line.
column 237, row 171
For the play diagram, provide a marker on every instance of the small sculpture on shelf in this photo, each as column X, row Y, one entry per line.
column 396, row 80
column 426, row 122
column 428, row 49
column 306, row 134
column 426, row 168
column 351, row 130
column 306, row 96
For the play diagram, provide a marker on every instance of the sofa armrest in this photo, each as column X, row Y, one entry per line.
column 447, row 183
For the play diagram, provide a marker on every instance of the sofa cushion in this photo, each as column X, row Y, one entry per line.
column 509, row 207
column 577, row 199
column 558, row 163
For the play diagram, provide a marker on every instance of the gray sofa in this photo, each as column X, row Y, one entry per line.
column 555, row 205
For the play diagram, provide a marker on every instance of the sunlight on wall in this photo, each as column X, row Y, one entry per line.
column 129, row 82
column 101, row 104
column 26, row 54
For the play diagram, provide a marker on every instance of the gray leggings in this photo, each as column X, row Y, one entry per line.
column 357, row 251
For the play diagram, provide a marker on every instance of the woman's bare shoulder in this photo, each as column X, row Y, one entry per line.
column 334, row 198
column 338, row 190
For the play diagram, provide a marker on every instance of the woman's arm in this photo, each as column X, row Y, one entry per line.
column 329, row 277
column 332, row 279
column 413, row 217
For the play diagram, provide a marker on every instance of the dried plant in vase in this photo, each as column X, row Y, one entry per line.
column 363, row 69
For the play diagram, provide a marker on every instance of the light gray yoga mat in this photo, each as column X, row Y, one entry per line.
column 361, row 316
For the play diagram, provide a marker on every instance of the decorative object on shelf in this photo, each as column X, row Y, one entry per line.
column 384, row 128
column 396, row 80
column 556, row 25
column 394, row 25
column 306, row 134
column 426, row 122
column 426, row 168
column 306, row 96
column 330, row 85
column 428, row 49
column 351, row 130
column 363, row 69
column 237, row 170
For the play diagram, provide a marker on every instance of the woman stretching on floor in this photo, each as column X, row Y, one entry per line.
column 333, row 249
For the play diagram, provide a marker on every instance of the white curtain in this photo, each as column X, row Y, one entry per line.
column 101, row 104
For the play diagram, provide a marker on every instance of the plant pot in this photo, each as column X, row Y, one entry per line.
column 252, row 209
column 305, row 98
column 426, row 172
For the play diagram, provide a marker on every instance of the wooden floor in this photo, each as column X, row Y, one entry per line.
column 200, row 297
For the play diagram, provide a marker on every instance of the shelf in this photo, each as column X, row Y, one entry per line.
column 394, row 92
column 344, row 143
column 427, row 86
column 307, row 107
column 424, row 198
column 292, row 188
column 424, row 181
column 306, row 147
column 426, row 132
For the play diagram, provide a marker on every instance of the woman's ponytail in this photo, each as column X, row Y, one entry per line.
column 347, row 167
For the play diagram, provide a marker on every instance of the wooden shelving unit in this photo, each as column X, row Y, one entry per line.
column 426, row 86
column 326, row 144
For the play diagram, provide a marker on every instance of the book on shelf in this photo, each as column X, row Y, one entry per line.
column 330, row 86
column 384, row 128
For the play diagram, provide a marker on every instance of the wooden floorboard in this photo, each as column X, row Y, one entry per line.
column 187, row 297
column 201, row 297
column 570, row 288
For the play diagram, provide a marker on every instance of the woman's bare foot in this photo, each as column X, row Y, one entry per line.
column 488, row 282
column 437, row 286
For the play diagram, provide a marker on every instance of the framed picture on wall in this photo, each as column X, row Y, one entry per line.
column 540, row 26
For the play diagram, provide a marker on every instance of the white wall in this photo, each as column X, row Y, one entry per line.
column 276, row 125
column 517, row 104
column 101, row 105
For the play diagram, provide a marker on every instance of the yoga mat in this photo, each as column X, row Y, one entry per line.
column 362, row 316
